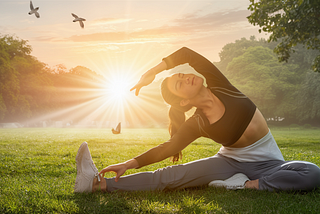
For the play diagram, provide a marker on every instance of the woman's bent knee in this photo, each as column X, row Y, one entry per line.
column 313, row 176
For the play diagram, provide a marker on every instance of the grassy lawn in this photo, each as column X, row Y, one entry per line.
column 38, row 171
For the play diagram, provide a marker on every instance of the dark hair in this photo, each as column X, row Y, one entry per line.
column 176, row 112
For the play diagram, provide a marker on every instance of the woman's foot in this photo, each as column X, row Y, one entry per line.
column 99, row 185
column 254, row 184
column 86, row 170
column 237, row 181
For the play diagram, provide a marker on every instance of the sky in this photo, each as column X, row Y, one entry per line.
column 121, row 40
column 131, row 34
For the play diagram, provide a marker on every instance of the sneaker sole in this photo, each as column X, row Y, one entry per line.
column 226, row 183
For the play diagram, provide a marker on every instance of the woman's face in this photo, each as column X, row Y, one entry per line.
column 185, row 86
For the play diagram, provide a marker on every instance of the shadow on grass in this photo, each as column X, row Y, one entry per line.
column 101, row 203
column 199, row 200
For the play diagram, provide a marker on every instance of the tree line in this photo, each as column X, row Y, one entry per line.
column 281, row 90
column 30, row 88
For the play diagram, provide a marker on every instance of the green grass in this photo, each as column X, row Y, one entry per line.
column 38, row 170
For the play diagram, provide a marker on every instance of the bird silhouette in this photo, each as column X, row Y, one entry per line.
column 34, row 10
column 78, row 19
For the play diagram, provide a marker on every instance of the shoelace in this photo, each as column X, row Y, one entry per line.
column 94, row 169
column 97, row 175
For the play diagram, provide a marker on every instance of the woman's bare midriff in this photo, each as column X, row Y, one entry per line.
column 256, row 130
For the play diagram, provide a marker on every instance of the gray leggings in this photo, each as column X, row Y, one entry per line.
column 272, row 175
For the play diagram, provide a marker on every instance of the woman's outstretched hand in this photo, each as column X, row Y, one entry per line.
column 120, row 168
column 145, row 80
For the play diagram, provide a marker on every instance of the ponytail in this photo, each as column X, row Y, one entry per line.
column 176, row 113
column 176, row 119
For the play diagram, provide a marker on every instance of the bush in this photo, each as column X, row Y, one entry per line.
column 294, row 126
column 307, row 126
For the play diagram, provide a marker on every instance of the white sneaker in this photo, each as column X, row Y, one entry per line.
column 86, row 170
column 237, row 181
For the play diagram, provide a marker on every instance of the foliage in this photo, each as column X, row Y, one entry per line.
column 38, row 171
column 14, row 46
column 276, row 88
column 308, row 99
column 237, row 48
column 11, row 102
column 292, row 22
column 307, row 126
column 29, row 88
column 258, row 74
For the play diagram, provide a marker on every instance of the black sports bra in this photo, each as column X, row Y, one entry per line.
column 239, row 110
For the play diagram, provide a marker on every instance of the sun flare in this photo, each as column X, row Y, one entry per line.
column 117, row 88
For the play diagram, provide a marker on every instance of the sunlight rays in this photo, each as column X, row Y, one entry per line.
column 109, row 103
column 106, row 101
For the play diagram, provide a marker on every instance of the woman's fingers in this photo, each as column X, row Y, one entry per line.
column 137, row 91
column 137, row 88
column 102, row 172
column 117, row 178
column 119, row 169
column 145, row 80
column 134, row 87
column 107, row 169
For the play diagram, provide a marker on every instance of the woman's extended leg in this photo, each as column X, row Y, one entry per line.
column 284, row 175
column 195, row 173
column 292, row 175
column 274, row 174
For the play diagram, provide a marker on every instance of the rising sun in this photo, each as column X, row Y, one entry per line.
column 117, row 88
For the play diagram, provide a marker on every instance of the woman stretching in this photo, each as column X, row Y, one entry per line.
column 248, row 158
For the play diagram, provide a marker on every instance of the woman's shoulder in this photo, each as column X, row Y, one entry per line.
column 193, row 127
column 198, row 119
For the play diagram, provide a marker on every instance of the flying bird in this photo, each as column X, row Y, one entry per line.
column 34, row 10
column 80, row 20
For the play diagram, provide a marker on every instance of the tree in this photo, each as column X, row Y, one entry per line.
column 259, row 75
column 14, row 46
column 60, row 69
column 308, row 99
column 25, row 83
column 36, row 86
column 9, row 84
column 292, row 22
column 84, row 72
column 236, row 49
